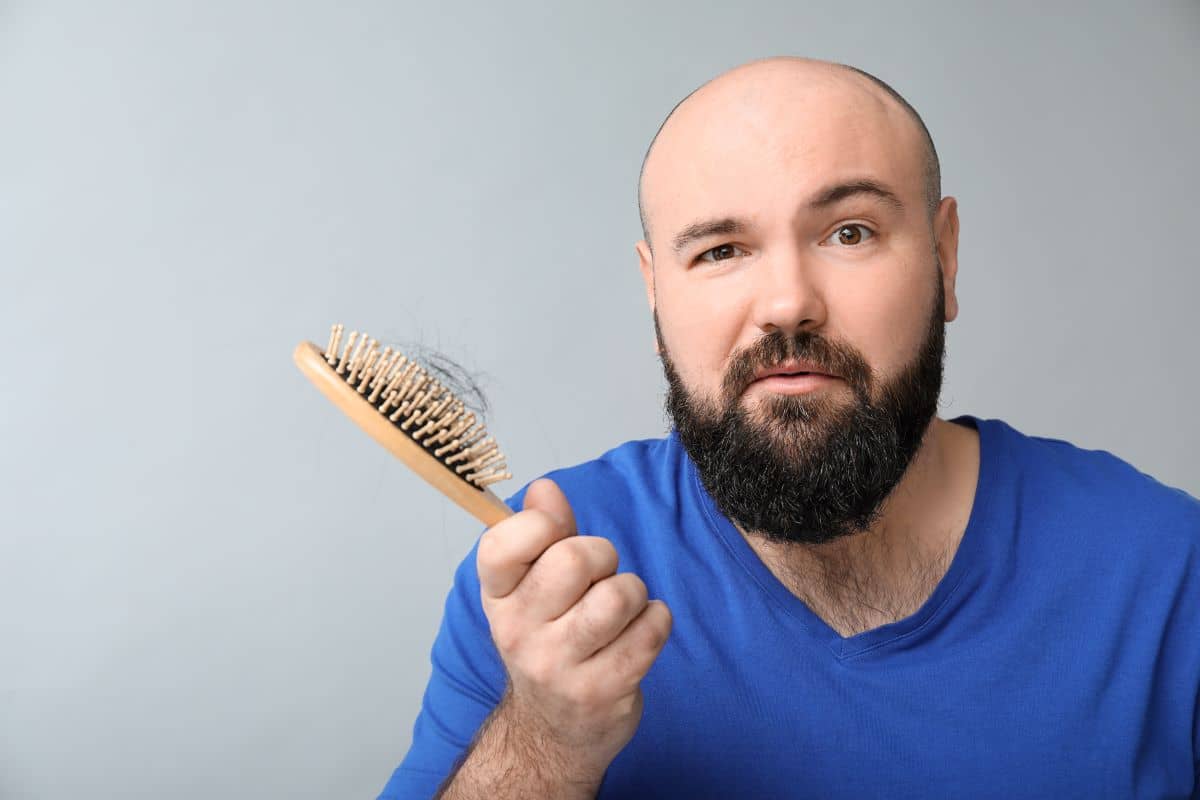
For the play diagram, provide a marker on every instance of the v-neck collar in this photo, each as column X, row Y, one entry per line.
column 967, row 557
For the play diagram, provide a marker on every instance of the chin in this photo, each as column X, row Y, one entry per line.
column 804, row 412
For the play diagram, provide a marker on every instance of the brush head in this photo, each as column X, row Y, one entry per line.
column 417, row 405
column 403, row 407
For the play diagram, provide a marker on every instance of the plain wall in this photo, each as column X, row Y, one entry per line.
column 212, row 584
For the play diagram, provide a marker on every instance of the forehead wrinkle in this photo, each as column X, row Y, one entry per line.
column 841, row 149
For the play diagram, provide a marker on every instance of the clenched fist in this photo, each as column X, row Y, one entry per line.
column 575, row 637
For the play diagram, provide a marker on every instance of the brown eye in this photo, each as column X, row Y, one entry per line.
column 722, row 252
column 851, row 234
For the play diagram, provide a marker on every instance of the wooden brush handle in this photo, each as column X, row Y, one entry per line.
column 481, row 503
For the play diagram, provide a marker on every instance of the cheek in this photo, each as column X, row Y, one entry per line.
column 886, row 320
column 700, row 326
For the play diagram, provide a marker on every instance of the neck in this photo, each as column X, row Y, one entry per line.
column 895, row 564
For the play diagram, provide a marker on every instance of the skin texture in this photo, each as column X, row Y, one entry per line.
column 757, row 143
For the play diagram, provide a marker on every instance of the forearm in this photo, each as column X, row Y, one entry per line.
column 509, row 760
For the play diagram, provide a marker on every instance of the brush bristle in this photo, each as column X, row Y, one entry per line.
column 416, row 403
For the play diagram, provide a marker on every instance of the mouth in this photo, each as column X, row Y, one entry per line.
column 794, row 378
column 793, row 369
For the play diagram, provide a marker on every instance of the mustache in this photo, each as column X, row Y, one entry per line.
column 774, row 348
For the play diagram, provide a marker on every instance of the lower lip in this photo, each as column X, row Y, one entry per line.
column 795, row 384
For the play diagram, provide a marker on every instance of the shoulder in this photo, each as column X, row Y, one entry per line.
column 1097, row 485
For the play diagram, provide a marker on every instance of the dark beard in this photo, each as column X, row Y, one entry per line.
column 809, row 470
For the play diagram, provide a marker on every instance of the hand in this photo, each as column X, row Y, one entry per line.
column 575, row 637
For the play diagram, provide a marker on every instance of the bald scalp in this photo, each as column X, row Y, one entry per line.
column 931, row 167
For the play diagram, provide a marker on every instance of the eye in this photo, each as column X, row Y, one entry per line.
column 722, row 252
column 846, row 234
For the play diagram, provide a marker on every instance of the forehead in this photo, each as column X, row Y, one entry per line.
column 766, row 142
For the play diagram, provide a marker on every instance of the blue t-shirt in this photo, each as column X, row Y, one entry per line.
column 1058, row 657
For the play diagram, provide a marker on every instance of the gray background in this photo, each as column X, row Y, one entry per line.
column 213, row 585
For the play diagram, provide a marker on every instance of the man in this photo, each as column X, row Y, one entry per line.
column 853, row 597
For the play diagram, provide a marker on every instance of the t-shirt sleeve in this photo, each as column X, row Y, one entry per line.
column 466, row 683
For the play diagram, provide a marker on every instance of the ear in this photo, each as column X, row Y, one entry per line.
column 945, row 235
column 646, row 265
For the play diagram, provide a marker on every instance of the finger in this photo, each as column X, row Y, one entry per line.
column 561, row 576
column 544, row 495
column 620, row 665
column 602, row 613
column 508, row 548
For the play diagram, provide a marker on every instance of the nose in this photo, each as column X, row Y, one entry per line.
column 787, row 298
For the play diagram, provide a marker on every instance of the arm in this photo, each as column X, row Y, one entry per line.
column 508, row 759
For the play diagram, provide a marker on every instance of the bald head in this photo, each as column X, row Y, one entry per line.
column 778, row 81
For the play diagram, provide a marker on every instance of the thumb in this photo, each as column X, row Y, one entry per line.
column 544, row 495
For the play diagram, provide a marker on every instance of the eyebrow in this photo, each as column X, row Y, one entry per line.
column 823, row 199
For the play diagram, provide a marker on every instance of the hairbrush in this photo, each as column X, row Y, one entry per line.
column 400, row 404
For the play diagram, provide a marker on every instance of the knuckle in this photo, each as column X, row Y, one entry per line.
column 611, row 600
column 570, row 562
column 542, row 523
column 638, row 592
column 604, row 552
column 622, row 595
